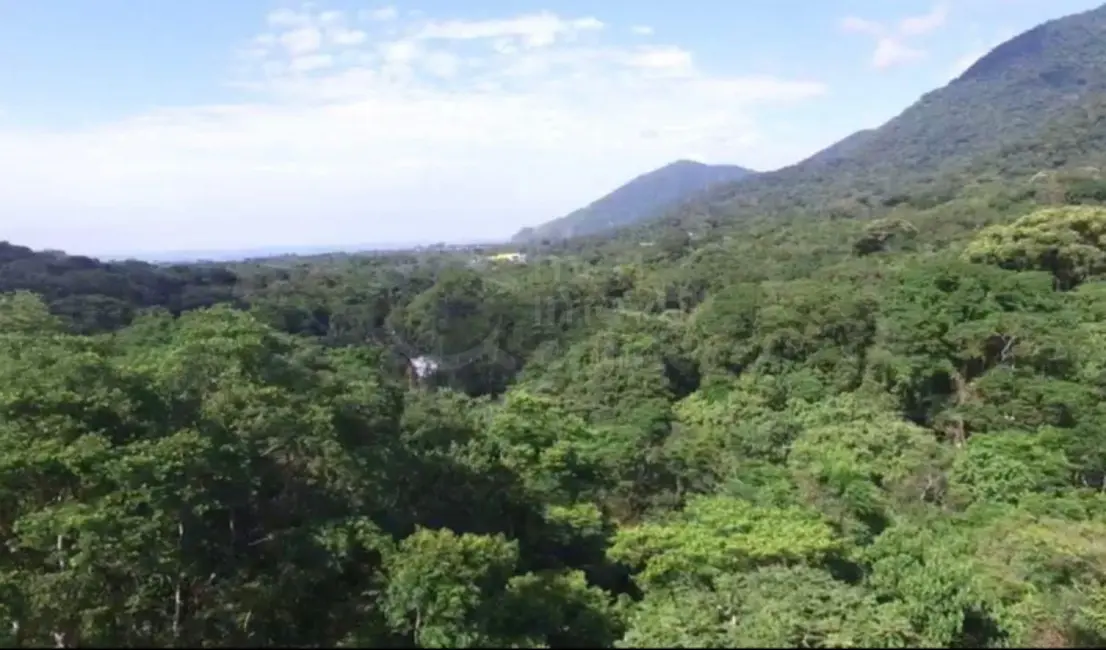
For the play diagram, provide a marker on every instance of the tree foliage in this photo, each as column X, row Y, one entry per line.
column 860, row 404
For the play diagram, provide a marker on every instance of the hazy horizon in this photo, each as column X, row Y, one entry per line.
column 238, row 254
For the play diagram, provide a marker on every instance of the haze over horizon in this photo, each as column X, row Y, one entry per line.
column 184, row 256
column 218, row 126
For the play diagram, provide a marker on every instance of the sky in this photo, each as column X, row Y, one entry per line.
column 140, row 127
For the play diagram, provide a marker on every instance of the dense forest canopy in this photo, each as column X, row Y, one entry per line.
column 844, row 410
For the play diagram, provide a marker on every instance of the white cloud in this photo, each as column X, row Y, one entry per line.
column 426, row 130
column 642, row 30
column 442, row 64
column 862, row 26
column 400, row 52
column 288, row 18
column 891, row 52
column 926, row 23
column 892, row 42
column 534, row 30
column 302, row 41
column 662, row 58
column 311, row 62
column 345, row 36
column 382, row 14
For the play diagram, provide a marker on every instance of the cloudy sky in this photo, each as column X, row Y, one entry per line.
column 129, row 127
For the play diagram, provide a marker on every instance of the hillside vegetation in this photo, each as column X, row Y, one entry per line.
column 96, row 296
column 858, row 408
column 646, row 196
column 1048, row 75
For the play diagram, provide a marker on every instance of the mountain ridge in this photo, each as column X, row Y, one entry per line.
column 1006, row 97
column 636, row 200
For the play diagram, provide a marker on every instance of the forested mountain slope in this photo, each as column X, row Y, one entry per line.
column 1034, row 79
column 643, row 197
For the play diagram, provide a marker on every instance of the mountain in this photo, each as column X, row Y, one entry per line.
column 843, row 148
column 641, row 198
column 1052, row 74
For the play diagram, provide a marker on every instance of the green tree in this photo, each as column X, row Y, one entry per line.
column 1068, row 242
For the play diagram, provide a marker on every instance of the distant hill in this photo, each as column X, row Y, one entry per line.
column 643, row 197
column 97, row 296
column 271, row 252
column 1052, row 74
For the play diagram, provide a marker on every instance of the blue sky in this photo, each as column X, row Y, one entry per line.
column 159, row 126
